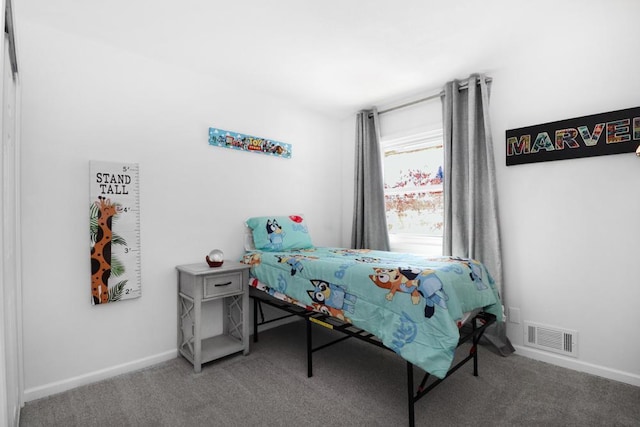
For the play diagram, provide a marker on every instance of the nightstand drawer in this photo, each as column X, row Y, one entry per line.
column 222, row 284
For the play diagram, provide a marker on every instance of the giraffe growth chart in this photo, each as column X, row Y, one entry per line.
column 114, row 224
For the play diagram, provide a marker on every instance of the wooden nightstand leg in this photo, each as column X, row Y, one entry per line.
column 197, row 330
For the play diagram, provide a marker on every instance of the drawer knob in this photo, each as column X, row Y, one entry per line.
column 223, row 284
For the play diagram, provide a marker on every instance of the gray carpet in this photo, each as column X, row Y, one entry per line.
column 354, row 384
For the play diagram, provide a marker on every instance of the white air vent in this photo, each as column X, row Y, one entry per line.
column 551, row 338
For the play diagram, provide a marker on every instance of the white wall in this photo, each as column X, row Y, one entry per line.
column 86, row 101
column 570, row 229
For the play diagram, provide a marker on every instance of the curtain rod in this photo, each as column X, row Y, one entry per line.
column 462, row 86
column 409, row 104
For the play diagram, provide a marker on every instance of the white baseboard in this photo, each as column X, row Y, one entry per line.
column 577, row 365
column 70, row 383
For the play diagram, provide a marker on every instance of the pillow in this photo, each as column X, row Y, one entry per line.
column 248, row 239
column 280, row 233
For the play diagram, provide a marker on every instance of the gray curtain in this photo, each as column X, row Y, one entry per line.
column 471, row 224
column 369, row 216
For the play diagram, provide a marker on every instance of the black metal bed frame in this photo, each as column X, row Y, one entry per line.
column 350, row 331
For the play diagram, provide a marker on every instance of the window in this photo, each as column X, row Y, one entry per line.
column 413, row 178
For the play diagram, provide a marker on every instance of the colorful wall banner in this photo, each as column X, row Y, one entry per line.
column 614, row 132
column 238, row 141
column 114, row 229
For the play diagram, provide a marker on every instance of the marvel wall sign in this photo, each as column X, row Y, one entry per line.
column 614, row 132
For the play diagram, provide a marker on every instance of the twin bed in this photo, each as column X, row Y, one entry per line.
column 412, row 305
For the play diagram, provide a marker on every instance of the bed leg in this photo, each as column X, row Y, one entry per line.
column 309, row 350
column 474, row 349
column 255, row 320
column 410, row 400
column 475, row 360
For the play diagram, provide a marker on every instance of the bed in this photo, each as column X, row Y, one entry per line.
column 412, row 305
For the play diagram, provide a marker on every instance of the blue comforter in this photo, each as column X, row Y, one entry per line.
column 413, row 304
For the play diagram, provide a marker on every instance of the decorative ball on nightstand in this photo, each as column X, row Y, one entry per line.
column 215, row 258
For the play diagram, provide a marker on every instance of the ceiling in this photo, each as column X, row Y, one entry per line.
column 335, row 56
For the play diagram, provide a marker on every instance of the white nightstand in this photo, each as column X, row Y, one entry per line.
column 199, row 284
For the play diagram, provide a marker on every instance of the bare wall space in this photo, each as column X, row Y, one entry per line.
column 84, row 100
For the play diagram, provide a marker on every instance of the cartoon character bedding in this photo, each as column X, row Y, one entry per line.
column 414, row 305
